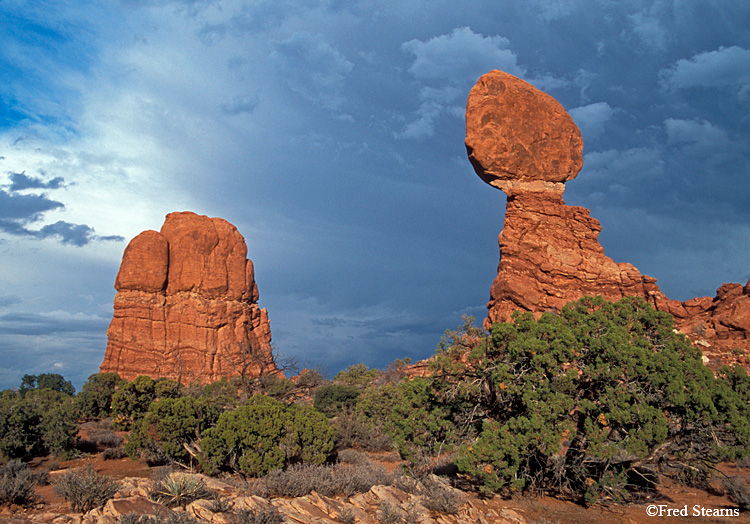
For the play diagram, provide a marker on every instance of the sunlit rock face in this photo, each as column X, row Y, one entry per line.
column 523, row 142
column 187, row 305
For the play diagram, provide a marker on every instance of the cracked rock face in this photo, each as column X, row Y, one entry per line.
column 522, row 141
column 187, row 305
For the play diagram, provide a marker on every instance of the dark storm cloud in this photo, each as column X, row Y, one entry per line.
column 18, row 210
column 9, row 300
column 21, row 181
column 35, row 324
column 313, row 68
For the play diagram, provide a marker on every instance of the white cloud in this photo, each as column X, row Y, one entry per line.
column 460, row 55
column 725, row 67
column 647, row 27
column 592, row 118
column 617, row 168
column 694, row 132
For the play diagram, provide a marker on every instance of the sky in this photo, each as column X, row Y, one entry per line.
column 330, row 133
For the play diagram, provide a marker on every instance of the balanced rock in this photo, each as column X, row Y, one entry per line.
column 187, row 305
column 522, row 141
column 519, row 138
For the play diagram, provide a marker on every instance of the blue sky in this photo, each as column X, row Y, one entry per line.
column 331, row 134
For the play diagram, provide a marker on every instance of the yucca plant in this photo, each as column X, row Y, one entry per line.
column 180, row 490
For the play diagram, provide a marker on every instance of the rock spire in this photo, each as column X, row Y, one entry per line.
column 187, row 305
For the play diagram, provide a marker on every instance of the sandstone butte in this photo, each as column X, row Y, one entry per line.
column 523, row 142
column 187, row 305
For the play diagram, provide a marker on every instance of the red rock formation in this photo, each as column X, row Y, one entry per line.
column 186, row 305
column 523, row 142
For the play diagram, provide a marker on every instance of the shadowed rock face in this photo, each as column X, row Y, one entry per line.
column 521, row 141
column 186, row 305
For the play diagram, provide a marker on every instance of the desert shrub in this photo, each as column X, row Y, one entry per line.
column 574, row 402
column 20, row 431
column 41, row 422
column 95, row 398
column 275, row 386
column 114, row 453
column 179, row 490
column 736, row 490
column 105, row 438
column 17, row 484
column 301, row 479
column 359, row 478
column 264, row 435
column 334, row 398
column 357, row 375
column 133, row 399
column 58, row 414
column 388, row 513
column 53, row 381
column 220, row 505
column 310, row 378
column 171, row 517
column 440, row 498
column 170, row 424
column 352, row 456
column 346, row 516
column 415, row 414
column 262, row 515
column 84, row 489
column 353, row 429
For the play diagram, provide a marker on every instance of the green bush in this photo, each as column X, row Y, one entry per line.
column 581, row 402
column 85, row 489
column 41, row 422
column 334, row 398
column 95, row 398
column 415, row 415
column 170, row 424
column 275, row 386
column 357, row 375
column 133, row 399
column 20, row 431
column 53, row 381
column 58, row 416
column 264, row 435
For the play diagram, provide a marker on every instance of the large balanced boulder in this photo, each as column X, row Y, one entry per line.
column 521, row 141
column 187, row 305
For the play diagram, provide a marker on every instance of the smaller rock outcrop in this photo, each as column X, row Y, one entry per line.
column 186, row 305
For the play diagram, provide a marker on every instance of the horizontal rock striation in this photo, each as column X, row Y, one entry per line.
column 187, row 305
column 523, row 142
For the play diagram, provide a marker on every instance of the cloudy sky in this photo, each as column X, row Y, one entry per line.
column 330, row 132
